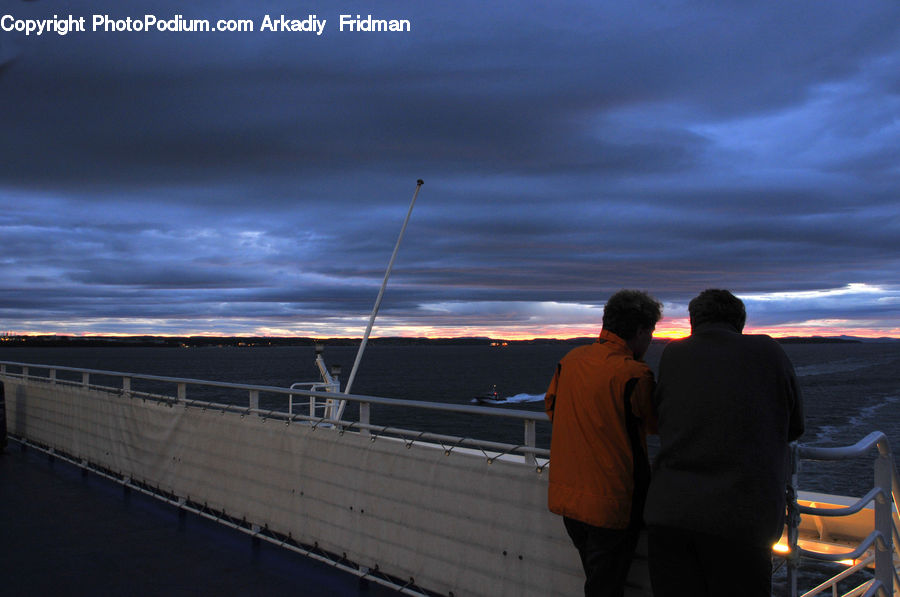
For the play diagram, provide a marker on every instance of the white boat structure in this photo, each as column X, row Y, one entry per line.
column 424, row 513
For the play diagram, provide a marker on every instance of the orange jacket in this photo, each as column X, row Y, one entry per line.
column 598, row 447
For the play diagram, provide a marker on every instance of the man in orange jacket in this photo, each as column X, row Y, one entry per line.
column 600, row 404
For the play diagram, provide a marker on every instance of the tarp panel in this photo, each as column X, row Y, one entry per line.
column 450, row 522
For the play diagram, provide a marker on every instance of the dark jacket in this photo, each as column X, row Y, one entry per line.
column 728, row 405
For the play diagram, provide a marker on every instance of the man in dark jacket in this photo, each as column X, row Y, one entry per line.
column 728, row 406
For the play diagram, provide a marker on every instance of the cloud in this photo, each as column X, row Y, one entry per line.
column 235, row 182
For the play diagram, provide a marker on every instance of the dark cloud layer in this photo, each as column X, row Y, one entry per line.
column 238, row 182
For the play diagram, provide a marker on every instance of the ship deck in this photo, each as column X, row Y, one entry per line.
column 69, row 534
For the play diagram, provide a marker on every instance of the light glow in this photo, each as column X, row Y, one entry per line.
column 848, row 290
column 824, row 313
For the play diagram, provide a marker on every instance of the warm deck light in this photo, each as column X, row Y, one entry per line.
column 781, row 548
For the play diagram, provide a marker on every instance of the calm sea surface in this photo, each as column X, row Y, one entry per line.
column 849, row 389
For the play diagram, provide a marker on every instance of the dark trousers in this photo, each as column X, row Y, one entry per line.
column 689, row 564
column 605, row 555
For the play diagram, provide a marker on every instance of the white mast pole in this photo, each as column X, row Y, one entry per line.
column 387, row 275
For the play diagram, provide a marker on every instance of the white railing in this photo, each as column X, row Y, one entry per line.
column 878, row 548
column 527, row 450
column 330, row 383
column 342, row 493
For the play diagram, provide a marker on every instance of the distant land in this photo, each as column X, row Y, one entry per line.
column 244, row 341
column 250, row 341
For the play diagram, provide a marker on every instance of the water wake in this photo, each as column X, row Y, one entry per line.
column 848, row 430
column 525, row 398
column 518, row 399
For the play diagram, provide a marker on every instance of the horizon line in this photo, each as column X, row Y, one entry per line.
column 656, row 337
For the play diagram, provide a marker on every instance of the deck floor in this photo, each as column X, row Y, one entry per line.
column 67, row 534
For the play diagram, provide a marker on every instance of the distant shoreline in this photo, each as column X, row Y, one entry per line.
column 249, row 342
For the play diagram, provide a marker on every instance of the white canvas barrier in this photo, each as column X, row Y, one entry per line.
column 454, row 524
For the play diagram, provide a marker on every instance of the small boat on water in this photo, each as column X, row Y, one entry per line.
column 490, row 397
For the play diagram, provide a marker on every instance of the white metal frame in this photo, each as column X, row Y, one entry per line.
column 318, row 400
column 879, row 548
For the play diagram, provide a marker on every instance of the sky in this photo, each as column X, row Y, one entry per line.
column 255, row 182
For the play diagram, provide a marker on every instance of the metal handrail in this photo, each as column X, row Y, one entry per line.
column 883, row 537
column 860, row 550
column 845, row 510
column 876, row 439
column 527, row 449
column 525, row 415
column 839, row 577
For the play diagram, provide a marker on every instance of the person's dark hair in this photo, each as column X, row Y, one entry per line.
column 717, row 306
column 627, row 311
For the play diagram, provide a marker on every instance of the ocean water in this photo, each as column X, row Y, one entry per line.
column 849, row 390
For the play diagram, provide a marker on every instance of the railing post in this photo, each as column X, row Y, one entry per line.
column 25, row 373
column 3, row 369
column 52, row 376
column 182, row 392
column 530, row 441
column 254, row 399
column 365, row 413
column 793, row 522
column 884, row 552
column 126, row 386
column 85, row 379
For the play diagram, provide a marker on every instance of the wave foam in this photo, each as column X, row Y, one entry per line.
column 518, row 399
